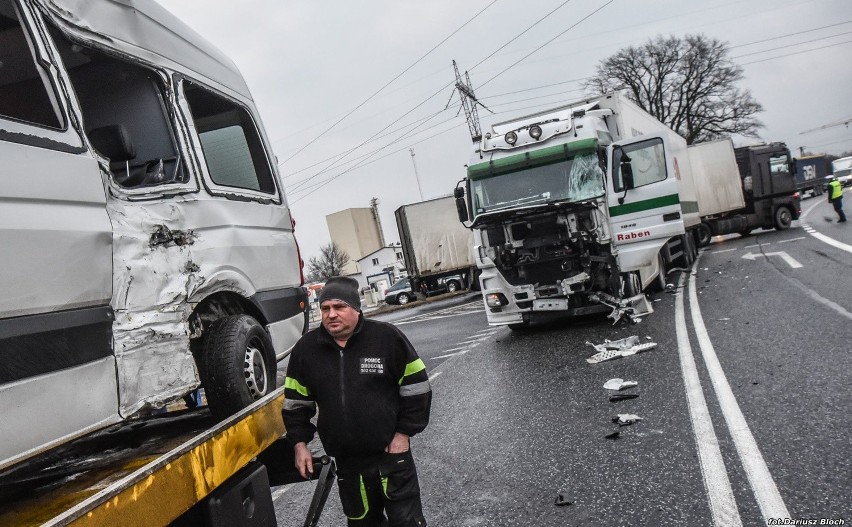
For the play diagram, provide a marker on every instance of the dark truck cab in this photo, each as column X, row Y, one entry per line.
column 767, row 174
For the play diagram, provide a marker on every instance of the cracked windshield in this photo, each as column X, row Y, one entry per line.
column 575, row 179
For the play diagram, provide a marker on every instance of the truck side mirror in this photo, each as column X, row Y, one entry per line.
column 461, row 203
column 461, row 208
column 627, row 175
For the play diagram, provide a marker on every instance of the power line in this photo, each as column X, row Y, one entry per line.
column 447, row 85
column 791, row 45
column 796, row 53
column 789, row 35
column 368, row 99
column 546, row 43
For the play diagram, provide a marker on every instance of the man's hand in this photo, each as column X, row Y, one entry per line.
column 304, row 460
column 399, row 444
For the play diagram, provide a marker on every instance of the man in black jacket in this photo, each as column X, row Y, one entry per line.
column 373, row 394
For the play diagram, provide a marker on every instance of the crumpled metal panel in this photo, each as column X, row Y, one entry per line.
column 151, row 285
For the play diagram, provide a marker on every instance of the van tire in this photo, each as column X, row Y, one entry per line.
column 238, row 364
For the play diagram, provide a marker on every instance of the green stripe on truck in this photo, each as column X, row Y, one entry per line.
column 647, row 204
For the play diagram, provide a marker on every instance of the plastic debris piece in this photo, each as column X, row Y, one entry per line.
column 618, row 348
column 562, row 500
column 622, row 397
column 626, row 419
column 723, row 319
column 619, row 384
column 613, row 435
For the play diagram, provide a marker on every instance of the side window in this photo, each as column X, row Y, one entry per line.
column 124, row 115
column 638, row 164
column 778, row 164
column 26, row 92
column 232, row 147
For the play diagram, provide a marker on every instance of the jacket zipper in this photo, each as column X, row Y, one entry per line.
column 342, row 387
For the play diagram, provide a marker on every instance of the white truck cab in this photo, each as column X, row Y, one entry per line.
column 147, row 244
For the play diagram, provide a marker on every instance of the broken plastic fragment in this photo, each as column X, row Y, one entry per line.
column 619, row 384
column 619, row 348
column 561, row 500
column 626, row 419
column 622, row 397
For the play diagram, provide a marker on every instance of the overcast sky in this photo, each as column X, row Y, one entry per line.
column 309, row 64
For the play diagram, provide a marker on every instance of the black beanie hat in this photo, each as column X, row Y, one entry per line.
column 341, row 288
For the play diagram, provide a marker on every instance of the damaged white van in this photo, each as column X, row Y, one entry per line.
column 146, row 245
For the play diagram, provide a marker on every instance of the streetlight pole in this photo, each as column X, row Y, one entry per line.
column 416, row 175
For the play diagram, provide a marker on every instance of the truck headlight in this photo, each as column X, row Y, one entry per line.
column 535, row 132
column 511, row 138
column 496, row 300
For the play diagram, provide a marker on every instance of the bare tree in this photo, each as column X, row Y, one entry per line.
column 687, row 83
column 330, row 263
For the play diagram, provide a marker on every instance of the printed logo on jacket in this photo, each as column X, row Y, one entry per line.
column 372, row 365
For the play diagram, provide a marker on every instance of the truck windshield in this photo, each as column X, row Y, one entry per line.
column 574, row 179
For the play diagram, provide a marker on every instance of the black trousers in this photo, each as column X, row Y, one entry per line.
column 385, row 484
column 838, row 208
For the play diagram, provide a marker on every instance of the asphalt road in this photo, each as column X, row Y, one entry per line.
column 744, row 401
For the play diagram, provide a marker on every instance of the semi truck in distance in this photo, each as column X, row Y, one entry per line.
column 743, row 189
column 436, row 247
column 577, row 210
column 811, row 172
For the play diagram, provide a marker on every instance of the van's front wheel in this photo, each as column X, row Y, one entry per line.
column 238, row 364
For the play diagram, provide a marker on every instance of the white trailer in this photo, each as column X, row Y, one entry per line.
column 437, row 248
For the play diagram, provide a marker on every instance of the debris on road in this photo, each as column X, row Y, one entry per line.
column 613, row 435
column 622, row 397
column 619, row 384
column 626, row 419
column 618, row 348
column 561, row 500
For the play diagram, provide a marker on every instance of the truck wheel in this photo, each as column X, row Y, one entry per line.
column 704, row 235
column 631, row 285
column 403, row 299
column 689, row 251
column 238, row 364
column 452, row 286
column 659, row 283
column 783, row 218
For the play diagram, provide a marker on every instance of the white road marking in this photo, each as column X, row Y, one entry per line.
column 781, row 254
column 819, row 236
column 464, row 309
column 831, row 241
column 724, row 251
column 755, row 245
column 765, row 491
column 723, row 506
column 793, row 239
column 435, row 375
column 462, row 352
